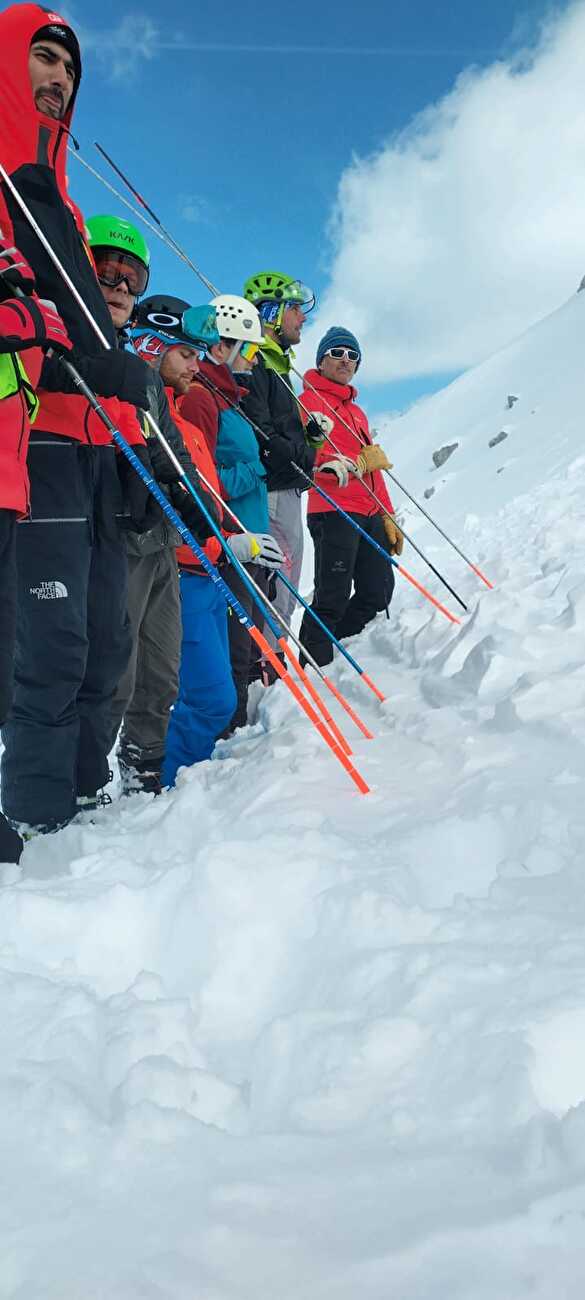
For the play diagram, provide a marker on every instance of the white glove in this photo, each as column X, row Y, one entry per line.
column 257, row 548
column 342, row 466
column 326, row 424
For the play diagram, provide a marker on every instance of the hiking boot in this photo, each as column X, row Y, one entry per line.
column 141, row 777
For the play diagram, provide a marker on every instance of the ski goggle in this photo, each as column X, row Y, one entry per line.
column 113, row 267
column 249, row 350
column 339, row 353
column 152, row 344
column 299, row 295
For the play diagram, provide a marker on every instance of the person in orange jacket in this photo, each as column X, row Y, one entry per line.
column 353, row 582
column 173, row 336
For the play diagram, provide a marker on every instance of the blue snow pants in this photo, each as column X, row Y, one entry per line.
column 207, row 695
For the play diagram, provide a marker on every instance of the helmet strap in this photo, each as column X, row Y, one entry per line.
column 230, row 361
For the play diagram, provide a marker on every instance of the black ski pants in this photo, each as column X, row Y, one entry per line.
column 73, row 635
column 344, row 560
column 10, row 842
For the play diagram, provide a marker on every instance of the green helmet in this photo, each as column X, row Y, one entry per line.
column 115, row 232
column 271, row 286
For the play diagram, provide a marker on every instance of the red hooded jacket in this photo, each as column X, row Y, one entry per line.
column 33, row 152
column 338, row 400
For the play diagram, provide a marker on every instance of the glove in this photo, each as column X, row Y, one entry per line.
column 342, row 466
column 56, row 336
column 186, row 506
column 30, row 323
column 317, row 429
column 143, row 511
column 115, row 374
column 394, row 536
column 257, row 548
column 371, row 457
column 15, row 272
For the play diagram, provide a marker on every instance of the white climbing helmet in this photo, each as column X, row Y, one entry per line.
column 237, row 319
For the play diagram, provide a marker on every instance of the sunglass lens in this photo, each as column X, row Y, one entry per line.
column 338, row 353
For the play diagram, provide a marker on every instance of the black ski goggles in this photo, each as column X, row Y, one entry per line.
column 113, row 267
column 339, row 353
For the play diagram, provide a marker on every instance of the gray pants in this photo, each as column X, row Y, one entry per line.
column 286, row 525
column 150, row 684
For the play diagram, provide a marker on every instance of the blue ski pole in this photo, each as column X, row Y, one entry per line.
column 211, row 571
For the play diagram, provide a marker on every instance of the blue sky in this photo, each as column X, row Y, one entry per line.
column 237, row 121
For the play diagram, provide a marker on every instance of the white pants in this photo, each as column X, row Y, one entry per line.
column 286, row 525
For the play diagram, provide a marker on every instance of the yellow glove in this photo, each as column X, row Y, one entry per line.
column 370, row 458
column 393, row 534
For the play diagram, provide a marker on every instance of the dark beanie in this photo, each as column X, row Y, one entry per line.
column 65, row 36
column 338, row 337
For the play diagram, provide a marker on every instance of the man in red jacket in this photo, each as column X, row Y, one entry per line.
column 343, row 559
column 73, row 638
column 25, row 325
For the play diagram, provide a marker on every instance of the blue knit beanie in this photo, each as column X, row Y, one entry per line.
column 338, row 337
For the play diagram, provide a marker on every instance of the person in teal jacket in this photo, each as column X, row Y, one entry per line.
column 212, row 404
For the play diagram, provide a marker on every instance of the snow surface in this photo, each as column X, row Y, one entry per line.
column 264, row 1037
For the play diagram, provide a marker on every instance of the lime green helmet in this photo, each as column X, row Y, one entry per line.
column 273, row 287
column 120, row 252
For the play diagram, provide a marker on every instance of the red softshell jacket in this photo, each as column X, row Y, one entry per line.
column 33, row 150
column 202, row 459
column 338, row 400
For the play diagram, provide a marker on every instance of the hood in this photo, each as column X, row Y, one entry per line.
column 341, row 392
column 275, row 357
column 27, row 136
column 223, row 379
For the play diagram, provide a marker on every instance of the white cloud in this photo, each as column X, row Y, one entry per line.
column 120, row 50
column 469, row 225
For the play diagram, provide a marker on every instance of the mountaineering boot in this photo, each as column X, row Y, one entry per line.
column 11, row 844
column 139, row 775
column 89, row 803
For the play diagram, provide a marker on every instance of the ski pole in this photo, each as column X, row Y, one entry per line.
column 207, row 383
column 440, row 530
column 287, row 651
column 257, row 636
column 213, row 573
column 214, row 290
column 332, row 637
column 405, row 573
column 400, row 485
column 164, row 231
column 121, row 199
column 370, row 490
column 321, row 491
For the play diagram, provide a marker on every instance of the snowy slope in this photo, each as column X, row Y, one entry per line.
column 543, row 370
column 264, row 1037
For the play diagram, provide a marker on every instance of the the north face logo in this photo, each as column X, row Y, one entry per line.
column 49, row 591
